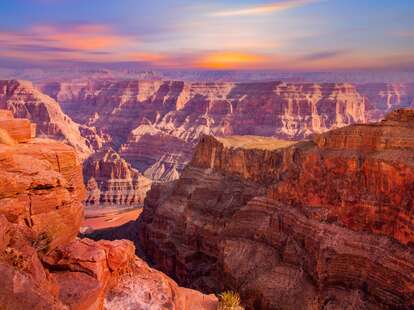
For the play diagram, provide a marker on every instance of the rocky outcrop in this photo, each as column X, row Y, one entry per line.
column 112, row 181
column 42, row 264
column 41, row 186
column 25, row 101
column 321, row 223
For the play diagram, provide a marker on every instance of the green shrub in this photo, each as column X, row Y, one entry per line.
column 229, row 301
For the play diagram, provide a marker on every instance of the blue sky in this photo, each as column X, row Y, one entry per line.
column 284, row 34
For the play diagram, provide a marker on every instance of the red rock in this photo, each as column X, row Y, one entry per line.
column 111, row 180
column 78, row 290
column 25, row 101
column 43, row 266
column 321, row 222
column 156, row 124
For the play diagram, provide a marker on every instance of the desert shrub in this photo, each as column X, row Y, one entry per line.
column 229, row 301
column 5, row 138
column 42, row 243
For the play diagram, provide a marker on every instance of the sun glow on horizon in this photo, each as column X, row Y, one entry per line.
column 225, row 34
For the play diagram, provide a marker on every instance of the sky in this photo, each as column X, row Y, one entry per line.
column 210, row 34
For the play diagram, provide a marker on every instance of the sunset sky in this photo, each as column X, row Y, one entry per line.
column 210, row 34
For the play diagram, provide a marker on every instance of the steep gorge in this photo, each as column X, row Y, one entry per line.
column 42, row 263
column 154, row 125
column 324, row 222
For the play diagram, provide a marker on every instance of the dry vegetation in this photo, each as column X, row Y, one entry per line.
column 229, row 301
column 254, row 142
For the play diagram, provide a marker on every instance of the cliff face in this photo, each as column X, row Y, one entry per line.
column 156, row 124
column 321, row 222
column 25, row 101
column 42, row 265
column 112, row 181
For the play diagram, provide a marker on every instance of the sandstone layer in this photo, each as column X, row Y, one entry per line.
column 42, row 264
column 156, row 124
column 324, row 223
column 112, row 181
column 25, row 101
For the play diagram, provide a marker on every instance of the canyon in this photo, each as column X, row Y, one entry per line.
column 153, row 125
column 43, row 263
column 297, row 196
column 321, row 223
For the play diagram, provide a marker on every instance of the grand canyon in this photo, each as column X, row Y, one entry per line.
column 229, row 155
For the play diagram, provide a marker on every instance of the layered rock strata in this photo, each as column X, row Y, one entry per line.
column 112, row 181
column 42, row 264
column 155, row 124
column 25, row 101
column 324, row 223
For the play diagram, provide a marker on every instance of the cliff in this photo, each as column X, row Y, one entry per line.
column 323, row 222
column 42, row 263
column 112, row 181
column 156, row 124
column 25, row 101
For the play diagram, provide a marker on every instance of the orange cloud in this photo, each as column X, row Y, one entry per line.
column 83, row 37
column 265, row 9
column 229, row 60
column 146, row 57
column 85, row 42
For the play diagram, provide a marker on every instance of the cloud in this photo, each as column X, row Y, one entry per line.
column 87, row 42
column 324, row 55
column 265, row 8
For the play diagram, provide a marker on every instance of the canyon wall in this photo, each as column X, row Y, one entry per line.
column 25, row 101
column 112, row 181
column 324, row 222
column 155, row 125
column 42, row 263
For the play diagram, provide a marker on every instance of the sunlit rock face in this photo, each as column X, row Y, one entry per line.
column 25, row 101
column 42, row 263
column 112, row 181
column 325, row 221
column 155, row 125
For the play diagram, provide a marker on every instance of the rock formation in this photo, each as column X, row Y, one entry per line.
column 324, row 222
column 154, row 125
column 111, row 180
column 25, row 101
column 42, row 264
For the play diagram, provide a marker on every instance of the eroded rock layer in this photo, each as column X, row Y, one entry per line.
column 321, row 223
column 156, row 124
column 42, row 264
column 25, row 101
column 112, row 181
